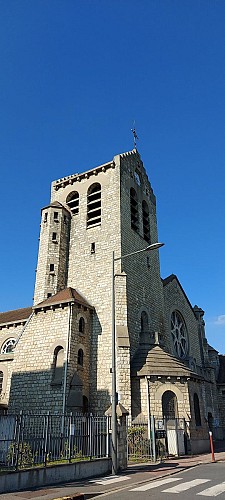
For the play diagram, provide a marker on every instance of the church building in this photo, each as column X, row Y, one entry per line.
column 57, row 354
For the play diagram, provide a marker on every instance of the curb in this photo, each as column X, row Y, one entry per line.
column 76, row 496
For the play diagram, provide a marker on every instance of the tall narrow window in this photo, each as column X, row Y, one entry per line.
column 144, row 322
column 58, row 362
column 72, row 201
column 134, row 209
column 80, row 357
column 54, row 237
column 146, row 221
column 94, row 205
column 81, row 325
column 197, row 411
column 1, row 382
column 56, row 216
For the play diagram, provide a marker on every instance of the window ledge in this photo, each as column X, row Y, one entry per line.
column 9, row 356
column 56, row 383
column 94, row 225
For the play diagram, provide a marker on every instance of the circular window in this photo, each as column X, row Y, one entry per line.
column 179, row 334
column 8, row 346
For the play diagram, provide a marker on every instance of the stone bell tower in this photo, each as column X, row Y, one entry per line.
column 109, row 208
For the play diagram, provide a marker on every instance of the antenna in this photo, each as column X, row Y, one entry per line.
column 133, row 130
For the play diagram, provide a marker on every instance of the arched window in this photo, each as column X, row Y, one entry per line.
column 169, row 405
column 81, row 325
column 146, row 221
column 80, row 357
column 85, row 404
column 8, row 346
column 197, row 411
column 58, row 363
column 137, row 177
column 94, row 205
column 134, row 209
column 1, row 382
column 179, row 335
column 144, row 322
column 72, row 201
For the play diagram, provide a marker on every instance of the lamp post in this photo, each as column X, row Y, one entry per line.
column 153, row 246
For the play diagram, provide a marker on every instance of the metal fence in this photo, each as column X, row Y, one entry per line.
column 31, row 440
column 140, row 443
column 157, row 439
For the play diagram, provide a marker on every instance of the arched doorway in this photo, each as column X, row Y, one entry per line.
column 169, row 405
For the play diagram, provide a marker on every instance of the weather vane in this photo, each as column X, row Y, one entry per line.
column 133, row 130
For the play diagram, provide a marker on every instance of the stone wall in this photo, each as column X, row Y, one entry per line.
column 8, row 331
column 144, row 285
column 52, row 252
column 33, row 385
column 90, row 271
column 175, row 299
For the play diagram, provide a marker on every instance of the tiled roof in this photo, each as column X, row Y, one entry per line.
column 210, row 348
column 221, row 375
column 156, row 361
column 65, row 295
column 16, row 315
column 56, row 204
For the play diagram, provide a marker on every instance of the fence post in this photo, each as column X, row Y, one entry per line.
column 90, row 434
column 69, row 436
column 17, row 444
column 211, row 446
column 107, row 435
column 46, row 438
column 153, row 437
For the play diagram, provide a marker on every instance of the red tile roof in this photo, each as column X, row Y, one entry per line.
column 16, row 315
column 65, row 295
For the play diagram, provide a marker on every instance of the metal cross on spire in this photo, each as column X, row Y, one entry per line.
column 133, row 130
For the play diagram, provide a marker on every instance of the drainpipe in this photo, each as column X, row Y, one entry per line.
column 67, row 359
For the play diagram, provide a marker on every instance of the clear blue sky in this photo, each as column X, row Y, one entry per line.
column 74, row 75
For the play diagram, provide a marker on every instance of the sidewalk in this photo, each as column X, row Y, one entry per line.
column 134, row 474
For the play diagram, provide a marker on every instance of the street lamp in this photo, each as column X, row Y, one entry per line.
column 153, row 246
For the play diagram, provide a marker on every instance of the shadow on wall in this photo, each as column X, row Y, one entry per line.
column 40, row 392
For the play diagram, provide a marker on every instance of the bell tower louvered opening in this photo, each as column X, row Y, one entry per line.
column 94, row 205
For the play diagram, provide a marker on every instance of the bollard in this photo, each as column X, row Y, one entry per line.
column 211, row 446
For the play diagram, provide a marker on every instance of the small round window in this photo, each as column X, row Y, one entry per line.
column 8, row 346
column 179, row 335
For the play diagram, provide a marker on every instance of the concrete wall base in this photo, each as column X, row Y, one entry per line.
column 200, row 446
column 45, row 476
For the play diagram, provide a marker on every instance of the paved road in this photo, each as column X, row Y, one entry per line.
column 203, row 481
column 134, row 477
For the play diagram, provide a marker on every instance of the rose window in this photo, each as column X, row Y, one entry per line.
column 8, row 346
column 179, row 335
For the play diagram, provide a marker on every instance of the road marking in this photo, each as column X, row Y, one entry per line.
column 155, row 484
column 213, row 491
column 186, row 486
column 110, row 479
